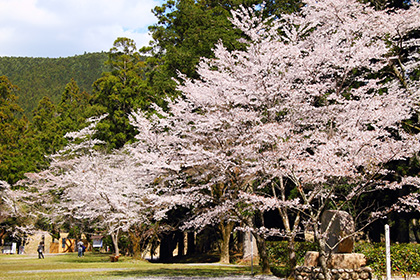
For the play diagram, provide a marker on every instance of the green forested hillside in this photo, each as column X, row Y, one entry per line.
column 40, row 77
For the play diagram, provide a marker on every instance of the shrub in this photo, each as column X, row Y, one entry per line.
column 279, row 256
column 405, row 258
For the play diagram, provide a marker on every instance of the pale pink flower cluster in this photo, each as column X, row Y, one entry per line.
column 295, row 104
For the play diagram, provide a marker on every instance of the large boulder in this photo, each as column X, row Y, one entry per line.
column 345, row 261
column 338, row 225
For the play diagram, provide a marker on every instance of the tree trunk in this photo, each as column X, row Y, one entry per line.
column 2, row 234
column 400, row 232
column 250, row 249
column 240, row 242
column 323, row 258
column 262, row 251
column 416, row 227
column 114, row 237
column 180, row 241
column 292, row 253
column 226, row 232
column 191, row 243
column 262, row 248
column 138, row 244
column 166, row 248
column 290, row 232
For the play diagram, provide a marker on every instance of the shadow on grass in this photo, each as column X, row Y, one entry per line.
column 177, row 272
column 89, row 258
column 206, row 258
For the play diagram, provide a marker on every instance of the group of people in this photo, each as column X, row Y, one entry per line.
column 80, row 249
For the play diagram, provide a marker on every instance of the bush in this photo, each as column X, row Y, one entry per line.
column 278, row 255
column 405, row 258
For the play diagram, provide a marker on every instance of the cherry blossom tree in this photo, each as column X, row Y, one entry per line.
column 109, row 190
column 6, row 203
column 14, row 218
column 8, row 207
column 161, row 145
column 197, row 177
column 299, row 104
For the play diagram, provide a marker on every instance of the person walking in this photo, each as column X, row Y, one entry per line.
column 80, row 249
column 40, row 250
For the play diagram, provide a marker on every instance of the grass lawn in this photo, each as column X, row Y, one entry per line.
column 98, row 266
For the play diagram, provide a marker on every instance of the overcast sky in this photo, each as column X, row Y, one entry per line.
column 61, row 28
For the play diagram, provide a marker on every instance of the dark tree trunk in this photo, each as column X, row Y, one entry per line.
column 375, row 231
column 400, row 231
column 191, row 243
column 180, row 240
column 166, row 247
column 240, row 242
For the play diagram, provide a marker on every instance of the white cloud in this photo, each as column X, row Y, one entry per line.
column 25, row 12
column 54, row 28
column 6, row 34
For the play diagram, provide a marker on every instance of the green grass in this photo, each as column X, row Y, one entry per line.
column 65, row 266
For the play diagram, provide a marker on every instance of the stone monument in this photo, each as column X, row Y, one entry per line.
column 344, row 264
column 338, row 224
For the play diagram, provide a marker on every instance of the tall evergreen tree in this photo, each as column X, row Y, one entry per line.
column 51, row 122
column 47, row 132
column 118, row 92
column 14, row 128
column 74, row 108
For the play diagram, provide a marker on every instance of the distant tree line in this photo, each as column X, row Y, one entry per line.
column 38, row 77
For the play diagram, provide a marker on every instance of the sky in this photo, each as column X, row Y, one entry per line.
column 62, row 28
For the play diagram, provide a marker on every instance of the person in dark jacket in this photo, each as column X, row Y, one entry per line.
column 40, row 250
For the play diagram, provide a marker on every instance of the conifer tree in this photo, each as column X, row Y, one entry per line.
column 118, row 92
column 14, row 158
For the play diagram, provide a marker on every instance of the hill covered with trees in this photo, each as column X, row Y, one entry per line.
column 47, row 77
